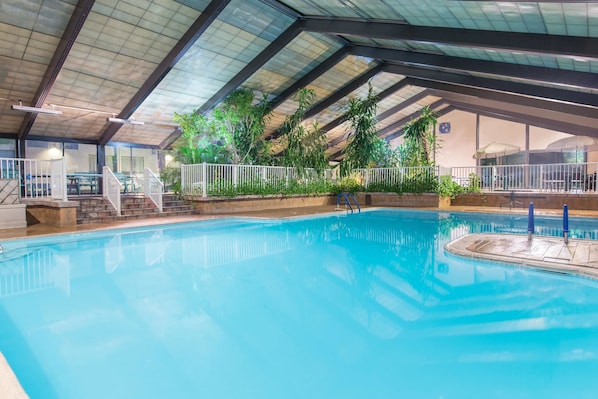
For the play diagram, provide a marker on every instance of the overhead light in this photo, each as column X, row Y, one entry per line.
column 125, row 121
column 35, row 110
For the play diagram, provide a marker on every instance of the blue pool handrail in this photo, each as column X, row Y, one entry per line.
column 347, row 197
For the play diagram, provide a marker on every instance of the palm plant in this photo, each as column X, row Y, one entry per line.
column 305, row 146
column 420, row 139
column 363, row 141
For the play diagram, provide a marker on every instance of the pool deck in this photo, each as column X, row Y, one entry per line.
column 579, row 257
column 9, row 385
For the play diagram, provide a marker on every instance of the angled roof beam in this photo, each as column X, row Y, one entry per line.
column 386, row 93
column 525, row 119
column 338, row 95
column 588, row 112
column 209, row 14
column 278, row 44
column 542, row 92
column 309, row 77
column 404, row 104
column 283, row 8
column 527, row 72
column 388, row 113
column 344, row 91
column 444, row 111
column 397, row 125
column 170, row 139
column 536, row 43
column 69, row 36
column 440, row 113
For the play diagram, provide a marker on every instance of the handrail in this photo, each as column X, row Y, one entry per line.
column 37, row 178
column 346, row 197
column 153, row 188
column 111, row 186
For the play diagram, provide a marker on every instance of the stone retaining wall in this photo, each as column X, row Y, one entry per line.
column 212, row 206
column 521, row 199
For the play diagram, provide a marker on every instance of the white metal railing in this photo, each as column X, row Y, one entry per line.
column 407, row 179
column 40, row 179
column 153, row 188
column 564, row 177
column 201, row 179
column 197, row 178
column 111, row 187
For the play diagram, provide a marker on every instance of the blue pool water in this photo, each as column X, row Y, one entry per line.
column 343, row 306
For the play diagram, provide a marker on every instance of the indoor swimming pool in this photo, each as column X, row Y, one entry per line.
column 364, row 305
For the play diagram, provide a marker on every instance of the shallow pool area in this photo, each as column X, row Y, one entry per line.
column 366, row 305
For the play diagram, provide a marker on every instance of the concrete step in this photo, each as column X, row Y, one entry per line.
column 99, row 210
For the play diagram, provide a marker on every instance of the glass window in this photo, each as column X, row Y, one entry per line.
column 8, row 148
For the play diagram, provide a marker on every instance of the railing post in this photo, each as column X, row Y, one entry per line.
column 204, row 185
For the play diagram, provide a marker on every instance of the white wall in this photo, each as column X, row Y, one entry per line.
column 458, row 146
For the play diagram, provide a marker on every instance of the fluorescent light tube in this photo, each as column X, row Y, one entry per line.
column 35, row 110
column 125, row 121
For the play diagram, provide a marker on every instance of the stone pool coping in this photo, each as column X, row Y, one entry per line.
column 579, row 257
column 10, row 388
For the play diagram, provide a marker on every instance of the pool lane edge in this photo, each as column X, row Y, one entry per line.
column 10, row 388
column 549, row 254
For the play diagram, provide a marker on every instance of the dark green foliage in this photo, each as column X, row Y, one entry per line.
column 420, row 140
column 241, row 121
column 261, row 188
column 384, row 156
column 305, row 146
column 232, row 134
column 171, row 177
column 362, row 141
column 199, row 142
column 447, row 187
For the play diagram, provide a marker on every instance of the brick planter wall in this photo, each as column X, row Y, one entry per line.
column 522, row 199
column 212, row 206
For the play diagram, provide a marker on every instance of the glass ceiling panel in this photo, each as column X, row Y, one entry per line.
column 411, row 110
column 560, row 62
column 120, row 45
column 324, row 7
column 549, row 61
column 219, row 54
column 336, row 77
column 570, row 18
column 45, row 17
column 398, row 97
column 30, row 32
column 299, row 57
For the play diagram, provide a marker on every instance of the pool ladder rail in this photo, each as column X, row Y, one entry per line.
column 347, row 197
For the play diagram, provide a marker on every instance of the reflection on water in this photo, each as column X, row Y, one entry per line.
column 353, row 304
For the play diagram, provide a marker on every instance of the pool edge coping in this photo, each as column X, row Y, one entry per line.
column 459, row 247
column 10, row 387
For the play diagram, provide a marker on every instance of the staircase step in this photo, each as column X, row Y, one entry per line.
column 99, row 210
